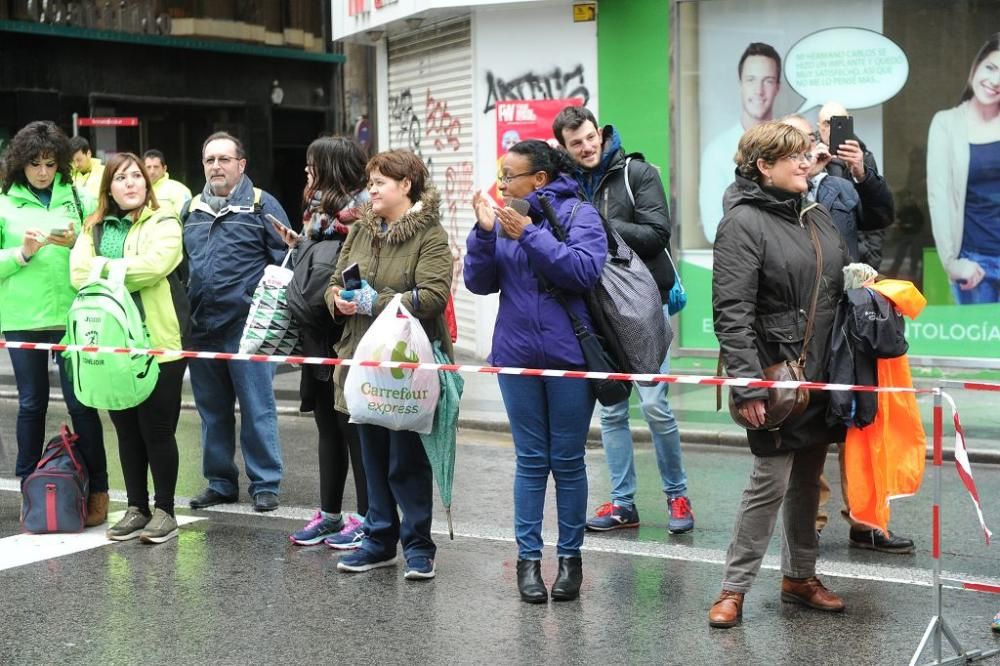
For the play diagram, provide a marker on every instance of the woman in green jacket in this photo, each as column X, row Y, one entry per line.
column 40, row 217
column 130, row 227
column 400, row 248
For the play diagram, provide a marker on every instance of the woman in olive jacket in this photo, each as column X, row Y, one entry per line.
column 763, row 281
column 400, row 248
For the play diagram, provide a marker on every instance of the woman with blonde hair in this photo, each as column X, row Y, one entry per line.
column 129, row 228
column 775, row 286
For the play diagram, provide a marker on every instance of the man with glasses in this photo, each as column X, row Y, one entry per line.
column 229, row 241
column 637, row 209
column 857, row 164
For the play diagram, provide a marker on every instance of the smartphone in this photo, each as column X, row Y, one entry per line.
column 279, row 227
column 58, row 232
column 841, row 129
column 352, row 277
column 519, row 205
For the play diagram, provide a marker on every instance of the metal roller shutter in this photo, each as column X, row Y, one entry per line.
column 430, row 112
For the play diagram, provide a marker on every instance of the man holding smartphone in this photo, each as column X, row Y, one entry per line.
column 229, row 240
column 853, row 161
column 637, row 210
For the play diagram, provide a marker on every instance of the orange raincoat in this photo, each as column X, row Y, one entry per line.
column 885, row 460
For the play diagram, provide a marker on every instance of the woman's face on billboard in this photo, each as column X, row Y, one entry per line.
column 986, row 80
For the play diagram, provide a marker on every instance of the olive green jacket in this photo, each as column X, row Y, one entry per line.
column 411, row 257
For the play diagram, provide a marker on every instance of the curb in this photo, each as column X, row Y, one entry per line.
column 640, row 435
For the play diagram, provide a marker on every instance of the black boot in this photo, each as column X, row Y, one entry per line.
column 567, row 585
column 530, row 583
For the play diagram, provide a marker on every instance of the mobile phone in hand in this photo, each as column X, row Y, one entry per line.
column 519, row 205
column 841, row 130
column 281, row 228
column 58, row 232
column 352, row 277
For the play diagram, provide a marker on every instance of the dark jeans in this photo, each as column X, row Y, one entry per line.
column 147, row 442
column 399, row 474
column 31, row 372
column 339, row 447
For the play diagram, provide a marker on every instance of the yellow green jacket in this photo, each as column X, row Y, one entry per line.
column 171, row 192
column 153, row 249
column 90, row 182
column 36, row 295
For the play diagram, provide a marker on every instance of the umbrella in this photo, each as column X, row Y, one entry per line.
column 440, row 443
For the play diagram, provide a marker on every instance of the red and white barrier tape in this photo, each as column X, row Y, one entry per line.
column 575, row 374
column 963, row 466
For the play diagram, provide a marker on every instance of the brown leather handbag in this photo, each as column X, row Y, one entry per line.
column 785, row 403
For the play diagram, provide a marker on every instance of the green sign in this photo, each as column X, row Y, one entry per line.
column 942, row 329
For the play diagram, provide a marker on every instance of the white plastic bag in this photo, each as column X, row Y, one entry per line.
column 269, row 328
column 393, row 398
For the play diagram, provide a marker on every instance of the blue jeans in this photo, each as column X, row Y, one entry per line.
column 31, row 372
column 398, row 474
column 617, row 438
column 549, row 419
column 217, row 385
column 987, row 291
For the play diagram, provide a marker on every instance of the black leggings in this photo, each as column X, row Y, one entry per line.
column 338, row 446
column 147, row 441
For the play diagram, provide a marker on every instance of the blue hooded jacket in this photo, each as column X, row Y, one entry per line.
column 532, row 328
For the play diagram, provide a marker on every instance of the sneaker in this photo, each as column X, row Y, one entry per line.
column 350, row 537
column 130, row 526
column 610, row 516
column 996, row 622
column 419, row 568
column 361, row 560
column 162, row 527
column 317, row 529
column 680, row 519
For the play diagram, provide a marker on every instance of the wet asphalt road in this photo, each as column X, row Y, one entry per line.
column 233, row 590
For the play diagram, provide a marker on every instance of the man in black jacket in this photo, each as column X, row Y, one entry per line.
column 629, row 195
column 856, row 163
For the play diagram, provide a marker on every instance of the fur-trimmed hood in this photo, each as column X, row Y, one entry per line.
column 423, row 214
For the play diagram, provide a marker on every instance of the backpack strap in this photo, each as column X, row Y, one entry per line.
column 628, row 185
column 76, row 200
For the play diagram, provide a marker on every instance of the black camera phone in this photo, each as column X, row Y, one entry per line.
column 841, row 129
column 519, row 205
column 352, row 277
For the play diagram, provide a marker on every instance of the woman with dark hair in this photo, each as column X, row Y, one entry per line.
column 130, row 229
column 333, row 196
column 400, row 248
column 40, row 216
column 514, row 254
column 963, row 163
column 772, row 248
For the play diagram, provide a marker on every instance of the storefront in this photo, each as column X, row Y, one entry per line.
column 441, row 71
column 920, row 80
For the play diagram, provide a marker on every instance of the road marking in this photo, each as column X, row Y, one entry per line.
column 594, row 544
column 22, row 549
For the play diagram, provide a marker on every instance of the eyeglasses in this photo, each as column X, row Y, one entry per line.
column 506, row 178
column 800, row 158
column 223, row 161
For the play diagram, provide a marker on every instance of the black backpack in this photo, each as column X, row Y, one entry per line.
column 315, row 262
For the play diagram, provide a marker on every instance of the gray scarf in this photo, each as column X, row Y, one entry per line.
column 216, row 203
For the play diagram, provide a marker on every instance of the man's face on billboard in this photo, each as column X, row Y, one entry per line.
column 759, row 86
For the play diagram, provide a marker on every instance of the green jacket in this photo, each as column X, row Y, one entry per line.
column 153, row 249
column 90, row 182
column 413, row 253
column 37, row 295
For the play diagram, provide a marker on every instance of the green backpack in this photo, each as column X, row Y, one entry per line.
column 105, row 314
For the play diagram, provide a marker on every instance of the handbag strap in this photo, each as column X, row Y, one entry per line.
column 811, row 318
column 560, row 234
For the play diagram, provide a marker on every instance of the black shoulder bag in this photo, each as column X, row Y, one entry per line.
column 607, row 391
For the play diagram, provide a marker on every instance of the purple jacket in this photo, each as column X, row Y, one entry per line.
column 532, row 328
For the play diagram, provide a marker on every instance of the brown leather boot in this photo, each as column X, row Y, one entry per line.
column 810, row 592
column 97, row 509
column 727, row 611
